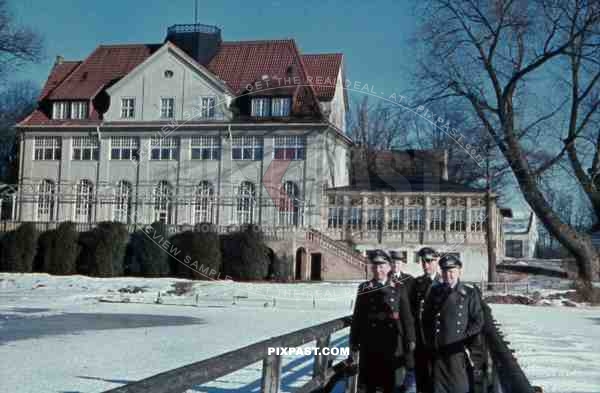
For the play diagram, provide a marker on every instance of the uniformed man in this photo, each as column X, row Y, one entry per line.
column 382, row 329
column 406, row 281
column 452, row 319
column 421, row 288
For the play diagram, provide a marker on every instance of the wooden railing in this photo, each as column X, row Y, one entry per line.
column 499, row 373
column 195, row 374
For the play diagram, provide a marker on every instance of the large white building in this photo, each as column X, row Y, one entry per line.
column 198, row 129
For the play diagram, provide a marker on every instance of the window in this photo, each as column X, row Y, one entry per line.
column 289, row 148
column 203, row 207
column 79, row 110
column 206, row 148
column 83, row 202
column 207, row 107
column 416, row 220
column 374, row 219
column 260, row 107
column 478, row 220
column 280, row 106
column 438, row 220
column 47, row 148
column 122, row 207
column 396, row 219
column 124, row 148
column 168, row 74
column 288, row 205
column 127, row 108
column 514, row 248
column 166, row 148
column 355, row 218
column 458, row 220
column 86, row 148
column 163, row 200
column 45, row 208
column 246, row 203
column 60, row 110
column 167, row 106
column 335, row 217
column 246, row 148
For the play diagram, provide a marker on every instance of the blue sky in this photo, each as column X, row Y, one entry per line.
column 372, row 35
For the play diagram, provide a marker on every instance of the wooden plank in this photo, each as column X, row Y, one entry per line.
column 271, row 374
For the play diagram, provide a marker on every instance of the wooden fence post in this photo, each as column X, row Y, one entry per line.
column 320, row 364
column 271, row 374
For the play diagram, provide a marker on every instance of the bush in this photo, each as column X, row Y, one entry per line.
column 59, row 249
column 103, row 250
column 245, row 255
column 18, row 248
column 198, row 255
column 146, row 255
column 280, row 268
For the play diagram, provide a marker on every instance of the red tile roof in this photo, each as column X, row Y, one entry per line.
column 238, row 63
column 58, row 73
column 105, row 65
column 324, row 69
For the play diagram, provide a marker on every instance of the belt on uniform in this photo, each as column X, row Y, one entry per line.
column 381, row 316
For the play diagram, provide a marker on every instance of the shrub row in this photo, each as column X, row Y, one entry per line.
column 109, row 250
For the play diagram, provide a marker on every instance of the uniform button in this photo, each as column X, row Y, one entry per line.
column 372, row 325
column 460, row 306
column 437, row 322
column 437, row 330
column 458, row 323
column 460, row 314
column 391, row 299
column 458, row 331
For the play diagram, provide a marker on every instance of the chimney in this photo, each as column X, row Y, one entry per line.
column 59, row 60
column 199, row 41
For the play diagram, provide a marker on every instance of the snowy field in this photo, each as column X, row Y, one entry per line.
column 57, row 336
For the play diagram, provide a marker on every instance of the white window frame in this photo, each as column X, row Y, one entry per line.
column 396, row 219
column 167, row 147
column 47, row 145
column 79, row 110
column 289, row 147
column 204, row 203
column 208, row 107
column 84, row 201
column 163, row 202
column 288, row 206
column 478, row 219
column 249, row 147
column 374, row 219
column 335, row 217
column 260, row 107
column 457, row 219
column 246, row 203
column 415, row 218
column 125, row 147
column 87, row 146
column 60, row 110
column 45, row 200
column 127, row 111
column 122, row 202
column 437, row 219
column 281, row 106
column 207, row 147
column 354, row 219
column 166, row 111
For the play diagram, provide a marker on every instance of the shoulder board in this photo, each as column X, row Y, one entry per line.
column 463, row 291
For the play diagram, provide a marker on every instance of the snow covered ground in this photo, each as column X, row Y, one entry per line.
column 56, row 336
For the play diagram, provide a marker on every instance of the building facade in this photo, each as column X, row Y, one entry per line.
column 197, row 129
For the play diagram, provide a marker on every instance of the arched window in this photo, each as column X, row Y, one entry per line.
column 46, row 195
column 83, row 203
column 122, row 206
column 246, row 203
column 203, row 204
column 163, row 201
column 288, row 205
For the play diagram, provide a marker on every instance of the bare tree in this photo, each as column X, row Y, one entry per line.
column 496, row 56
column 18, row 44
column 17, row 100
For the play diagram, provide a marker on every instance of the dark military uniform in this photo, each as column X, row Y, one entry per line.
column 382, row 330
column 420, row 291
column 452, row 318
